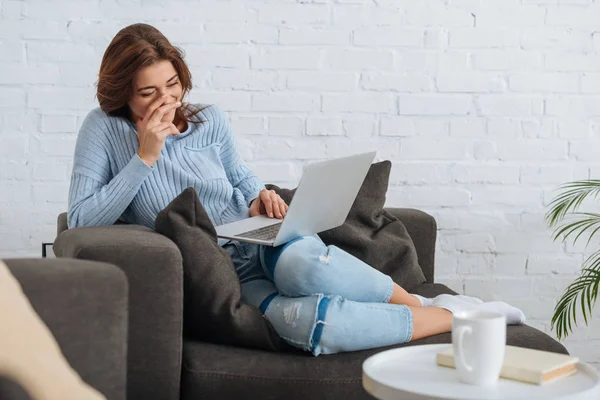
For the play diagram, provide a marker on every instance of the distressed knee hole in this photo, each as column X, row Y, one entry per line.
column 291, row 313
column 325, row 258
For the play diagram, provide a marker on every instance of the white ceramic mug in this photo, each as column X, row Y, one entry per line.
column 479, row 342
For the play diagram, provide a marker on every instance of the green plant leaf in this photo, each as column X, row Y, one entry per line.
column 573, row 194
column 582, row 291
column 585, row 289
column 583, row 222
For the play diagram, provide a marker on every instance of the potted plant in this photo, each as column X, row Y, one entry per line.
column 569, row 222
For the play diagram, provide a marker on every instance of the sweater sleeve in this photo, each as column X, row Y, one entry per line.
column 238, row 173
column 95, row 197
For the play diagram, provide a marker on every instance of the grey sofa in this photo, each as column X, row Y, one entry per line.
column 162, row 365
column 84, row 304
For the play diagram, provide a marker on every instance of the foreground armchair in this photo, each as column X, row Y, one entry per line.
column 81, row 306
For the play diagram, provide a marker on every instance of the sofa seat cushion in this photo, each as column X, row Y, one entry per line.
column 225, row 372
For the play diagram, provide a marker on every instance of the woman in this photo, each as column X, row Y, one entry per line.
column 144, row 145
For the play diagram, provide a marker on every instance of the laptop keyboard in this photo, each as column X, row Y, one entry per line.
column 264, row 233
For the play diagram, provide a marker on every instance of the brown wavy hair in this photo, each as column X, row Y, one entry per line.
column 134, row 47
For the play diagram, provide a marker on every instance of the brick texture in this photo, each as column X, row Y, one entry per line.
column 484, row 108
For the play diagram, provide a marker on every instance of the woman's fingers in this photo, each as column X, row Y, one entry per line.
column 275, row 201
column 160, row 127
column 167, row 128
column 282, row 207
column 272, row 203
column 279, row 206
column 160, row 112
column 154, row 106
column 267, row 203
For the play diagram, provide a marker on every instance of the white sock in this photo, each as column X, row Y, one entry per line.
column 514, row 316
column 455, row 304
column 425, row 302
column 469, row 299
column 452, row 303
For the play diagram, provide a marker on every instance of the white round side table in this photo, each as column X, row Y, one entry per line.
column 412, row 373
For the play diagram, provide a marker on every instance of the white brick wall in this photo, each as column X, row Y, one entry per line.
column 484, row 107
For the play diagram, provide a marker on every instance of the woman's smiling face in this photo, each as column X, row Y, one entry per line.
column 152, row 82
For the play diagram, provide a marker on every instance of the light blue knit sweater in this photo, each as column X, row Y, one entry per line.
column 111, row 182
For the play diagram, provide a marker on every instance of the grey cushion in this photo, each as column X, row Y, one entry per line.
column 422, row 229
column 212, row 306
column 213, row 371
column 372, row 233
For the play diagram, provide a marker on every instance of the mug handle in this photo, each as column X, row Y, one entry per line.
column 460, row 354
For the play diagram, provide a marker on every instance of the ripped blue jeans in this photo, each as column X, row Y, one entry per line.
column 320, row 298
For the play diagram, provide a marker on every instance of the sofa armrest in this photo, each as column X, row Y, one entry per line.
column 154, row 269
column 422, row 229
column 84, row 304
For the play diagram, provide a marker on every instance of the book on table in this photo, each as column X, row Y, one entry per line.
column 525, row 365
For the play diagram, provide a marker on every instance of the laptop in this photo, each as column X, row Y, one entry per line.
column 322, row 201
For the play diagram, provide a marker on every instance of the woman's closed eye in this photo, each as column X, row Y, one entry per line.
column 150, row 94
